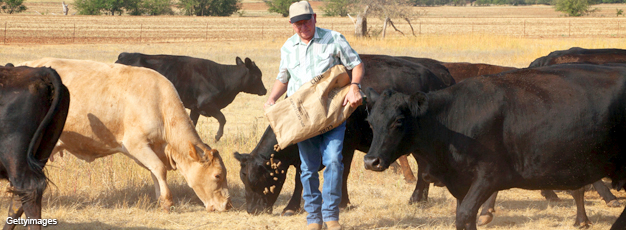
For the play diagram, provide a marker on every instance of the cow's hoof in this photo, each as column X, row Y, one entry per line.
column 614, row 204
column 484, row 219
column 410, row 180
column 584, row 224
column 288, row 213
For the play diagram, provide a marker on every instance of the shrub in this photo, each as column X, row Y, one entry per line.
column 279, row 6
column 574, row 8
column 13, row 6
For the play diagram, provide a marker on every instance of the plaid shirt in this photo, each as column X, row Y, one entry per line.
column 301, row 62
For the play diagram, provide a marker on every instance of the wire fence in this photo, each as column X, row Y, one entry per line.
column 64, row 30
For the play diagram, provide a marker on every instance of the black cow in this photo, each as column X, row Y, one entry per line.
column 263, row 182
column 556, row 127
column 580, row 55
column 33, row 108
column 205, row 87
column 590, row 56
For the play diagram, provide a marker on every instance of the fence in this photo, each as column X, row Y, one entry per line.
column 103, row 29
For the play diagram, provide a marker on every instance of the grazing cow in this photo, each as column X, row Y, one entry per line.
column 462, row 70
column 136, row 111
column 205, row 87
column 263, row 182
column 33, row 108
column 580, row 55
column 556, row 127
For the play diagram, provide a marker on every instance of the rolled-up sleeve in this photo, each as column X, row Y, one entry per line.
column 283, row 73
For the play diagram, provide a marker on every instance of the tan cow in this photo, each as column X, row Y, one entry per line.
column 136, row 111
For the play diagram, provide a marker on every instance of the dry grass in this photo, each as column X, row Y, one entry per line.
column 114, row 192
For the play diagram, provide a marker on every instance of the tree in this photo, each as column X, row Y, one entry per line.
column 386, row 10
column 156, row 7
column 89, row 7
column 279, row 6
column 574, row 8
column 337, row 7
column 13, row 6
column 113, row 6
column 209, row 7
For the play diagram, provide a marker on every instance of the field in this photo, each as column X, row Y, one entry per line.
column 115, row 193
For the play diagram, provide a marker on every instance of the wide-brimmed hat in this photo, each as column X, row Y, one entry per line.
column 300, row 11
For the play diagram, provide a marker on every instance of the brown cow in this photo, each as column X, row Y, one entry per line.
column 136, row 111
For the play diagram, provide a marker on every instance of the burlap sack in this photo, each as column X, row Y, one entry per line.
column 314, row 109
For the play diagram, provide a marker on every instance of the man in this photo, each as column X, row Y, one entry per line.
column 309, row 53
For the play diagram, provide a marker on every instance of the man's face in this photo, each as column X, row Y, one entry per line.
column 305, row 28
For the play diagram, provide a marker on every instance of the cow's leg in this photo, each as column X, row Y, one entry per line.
column 32, row 210
column 294, row 203
column 222, row 120
column 581, row 214
column 194, row 115
column 15, row 211
column 620, row 223
column 606, row 194
column 348, row 154
column 142, row 153
column 421, row 187
column 467, row 210
column 406, row 169
column 550, row 195
column 488, row 209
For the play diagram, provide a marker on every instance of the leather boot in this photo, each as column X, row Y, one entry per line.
column 333, row 225
column 314, row 227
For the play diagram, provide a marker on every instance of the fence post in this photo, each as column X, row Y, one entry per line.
column 74, row 35
column 262, row 27
column 5, row 33
column 420, row 28
column 524, row 34
column 140, row 32
column 617, row 28
column 569, row 29
column 206, row 36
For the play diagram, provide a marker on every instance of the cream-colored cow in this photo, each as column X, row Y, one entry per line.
column 136, row 111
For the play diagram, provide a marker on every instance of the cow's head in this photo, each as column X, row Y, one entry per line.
column 253, row 82
column 206, row 175
column 393, row 119
column 263, row 180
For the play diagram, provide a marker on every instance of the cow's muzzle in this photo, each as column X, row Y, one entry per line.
column 373, row 163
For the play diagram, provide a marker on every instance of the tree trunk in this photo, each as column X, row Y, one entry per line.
column 385, row 26
column 360, row 26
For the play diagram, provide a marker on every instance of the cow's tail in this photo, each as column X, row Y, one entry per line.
column 46, row 135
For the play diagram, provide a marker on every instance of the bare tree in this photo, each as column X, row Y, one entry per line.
column 66, row 8
column 386, row 10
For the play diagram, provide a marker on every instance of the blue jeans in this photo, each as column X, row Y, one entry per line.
column 322, row 149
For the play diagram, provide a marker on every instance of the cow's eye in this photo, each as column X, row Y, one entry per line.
column 399, row 121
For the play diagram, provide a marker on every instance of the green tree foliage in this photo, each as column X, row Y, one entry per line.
column 157, row 7
column 132, row 7
column 13, row 6
column 209, row 7
column 89, row 7
column 572, row 7
column 113, row 6
column 337, row 7
column 279, row 6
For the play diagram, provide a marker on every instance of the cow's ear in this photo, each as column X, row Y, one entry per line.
column 371, row 97
column 193, row 153
column 238, row 61
column 418, row 104
column 242, row 158
column 249, row 63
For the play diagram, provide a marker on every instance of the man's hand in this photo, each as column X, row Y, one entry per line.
column 353, row 97
column 268, row 103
